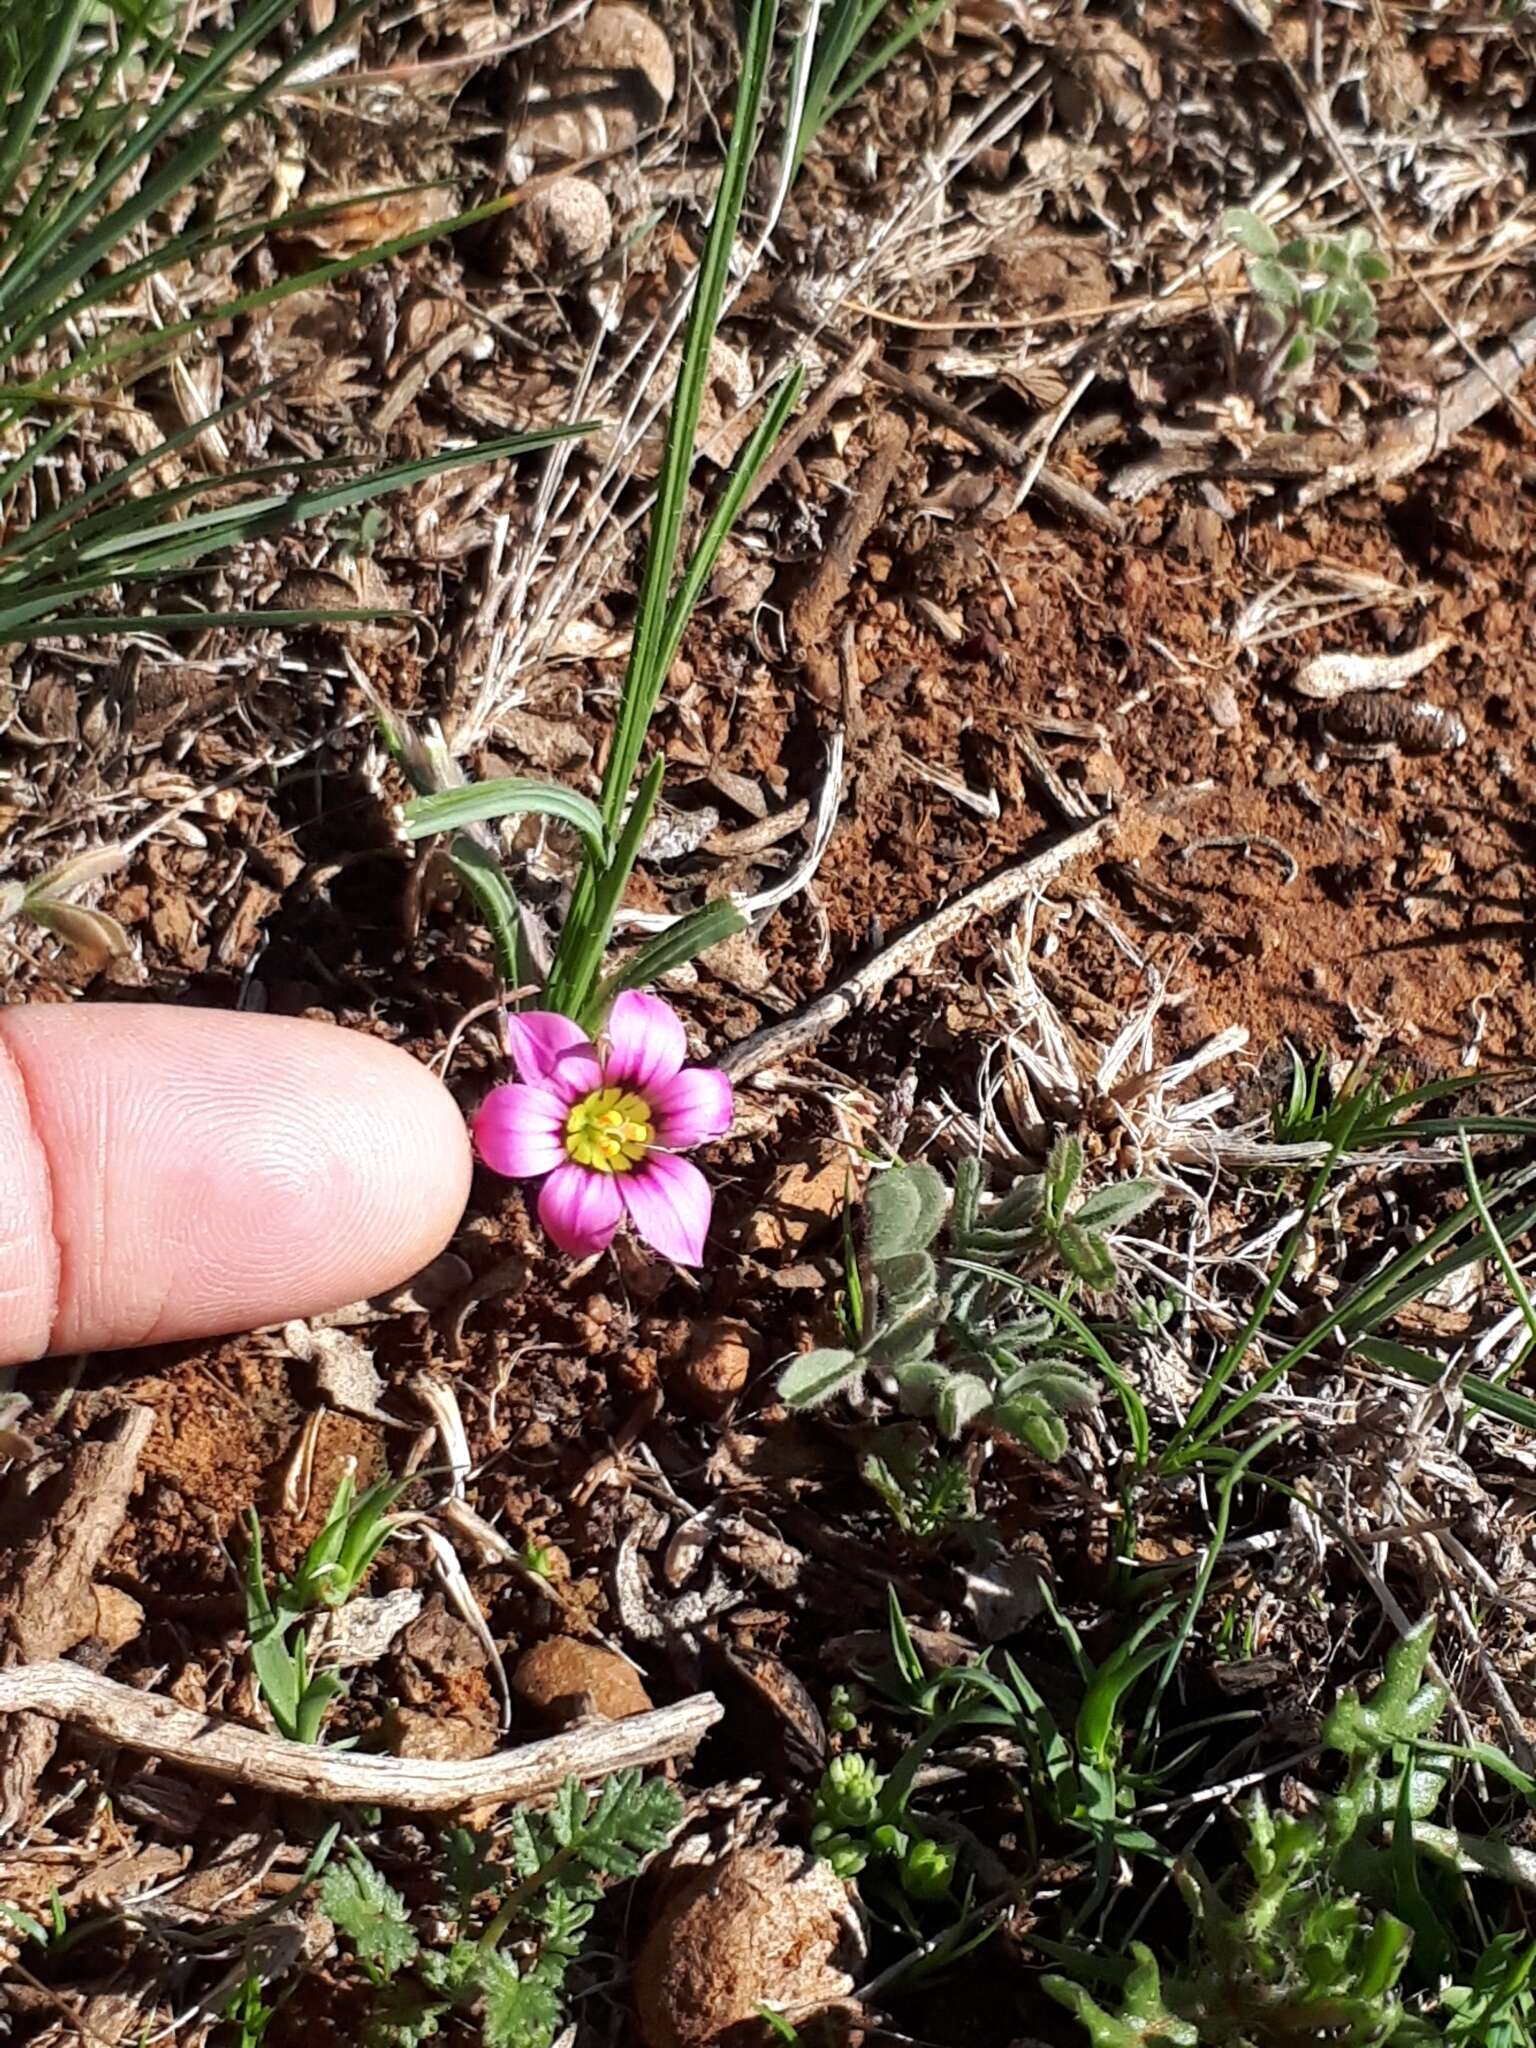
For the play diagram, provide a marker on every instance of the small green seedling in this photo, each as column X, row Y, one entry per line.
column 928, row 1495
column 31, row 1928
column 1078, row 1778
column 51, row 901
column 248, row 2012
column 945, row 1328
column 863, row 1818
column 1316, row 294
column 329, row 1574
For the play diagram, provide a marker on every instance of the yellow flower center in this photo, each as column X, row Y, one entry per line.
column 609, row 1130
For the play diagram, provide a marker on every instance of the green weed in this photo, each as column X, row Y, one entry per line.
column 541, row 1899
column 248, row 2013
column 1316, row 294
column 959, row 1333
column 329, row 1574
column 1318, row 1934
column 928, row 1496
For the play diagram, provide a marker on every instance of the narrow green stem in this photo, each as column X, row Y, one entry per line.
column 521, row 1895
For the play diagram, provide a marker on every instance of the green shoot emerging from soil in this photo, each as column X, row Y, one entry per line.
column 329, row 1574
column 1317, row 297
column 957, row 1332
column 611, row 831
column 541, row 1901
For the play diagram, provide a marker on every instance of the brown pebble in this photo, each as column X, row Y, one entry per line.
column 117, row 1617
column 441, row 1643
column 1222, row 705
column 562, row 1678
column 807, row 1197
column 432, row 1737
column 717, row 1367
column 766, row 1926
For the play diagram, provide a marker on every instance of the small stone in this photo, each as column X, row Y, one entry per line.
column 441, row 1643
column 1222, row 705
column 118, row 1617
column 555, row 746
column 805, row 1199
column 765, row 1927
column 716, row 1369
column 563, row 1678
column 431, row 1737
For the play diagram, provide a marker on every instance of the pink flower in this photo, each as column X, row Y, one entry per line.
column 603, row 1124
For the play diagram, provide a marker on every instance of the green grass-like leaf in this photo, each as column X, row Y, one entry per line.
column 450, row 810
column 659, row 621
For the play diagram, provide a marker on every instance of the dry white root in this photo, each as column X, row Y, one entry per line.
column 1331, row 676
column 154, row 1726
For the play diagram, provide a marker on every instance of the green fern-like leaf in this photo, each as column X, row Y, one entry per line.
column 634, row 1816
column 519, row 2011
column 371, row 1914
column 466, row 1868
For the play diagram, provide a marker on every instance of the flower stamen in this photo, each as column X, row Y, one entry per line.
column 609, row 1130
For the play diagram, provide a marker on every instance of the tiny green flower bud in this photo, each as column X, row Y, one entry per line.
column 928, row 1869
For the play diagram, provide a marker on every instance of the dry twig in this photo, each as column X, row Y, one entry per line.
column 148, row 1723
column 998, row 892
column 45, row 1603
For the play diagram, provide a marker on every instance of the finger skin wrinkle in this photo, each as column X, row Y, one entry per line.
column 31, row 1255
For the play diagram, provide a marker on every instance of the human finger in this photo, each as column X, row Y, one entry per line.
column 169, row 1173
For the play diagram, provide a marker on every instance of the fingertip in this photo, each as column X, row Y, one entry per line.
column 211, row 1172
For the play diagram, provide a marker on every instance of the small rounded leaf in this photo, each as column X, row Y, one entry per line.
column 816, row 1376
column 1274, row 282
column 1250, row 232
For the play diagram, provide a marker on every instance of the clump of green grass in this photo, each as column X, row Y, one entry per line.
column 115, row 117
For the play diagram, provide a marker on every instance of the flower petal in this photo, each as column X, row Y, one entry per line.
column 518, row 1131
column 574, row 1074
column 537, row 1039
column 646, row 1041
column 692, row 1108
column 580, row 1209
column 669, row 1203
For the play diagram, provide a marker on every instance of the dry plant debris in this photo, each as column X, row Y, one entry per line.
column 1120, row 739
